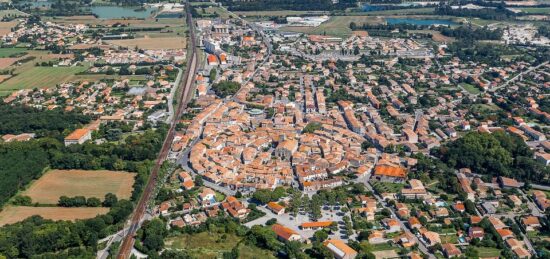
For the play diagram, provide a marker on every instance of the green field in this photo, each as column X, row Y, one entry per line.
column 488, row 252
column 410, row 11
column 470, row 88
column 7, row 52
column 535, row 10
column 38, row 77
column 382, row 187
column 213, row 245
column 4, row 13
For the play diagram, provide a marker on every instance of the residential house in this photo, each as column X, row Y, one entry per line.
column 339, row 249
column 285, row 233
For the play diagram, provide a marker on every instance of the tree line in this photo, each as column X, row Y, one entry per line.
column 468, row 32
column 21, row 119
column 296, row 5
column 498, row 13
column 36, row 237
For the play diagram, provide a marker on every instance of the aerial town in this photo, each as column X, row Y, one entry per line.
column 224, row 130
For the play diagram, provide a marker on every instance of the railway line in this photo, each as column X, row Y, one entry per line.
column 184, row 97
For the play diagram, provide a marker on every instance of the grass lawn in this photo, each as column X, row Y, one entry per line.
column 220, row 196
column 449, row 238
column 484, row 108
column 7, row 52
column 382, row 247
column 213, row 245
column 470, row 88
column 382, row 187
column 535, row 10
column 488, row 252
column 38, row 77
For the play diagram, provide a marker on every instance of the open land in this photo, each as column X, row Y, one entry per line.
column 57, row 183
column 7, row 52
column 4, row 13
column 535, row 10
column 211, row 245
column 6, row 62
column 13, row 214
column 5, row 27
column 41, row 77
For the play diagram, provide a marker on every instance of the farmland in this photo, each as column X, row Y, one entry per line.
column 13, row 214
column 8, row 52
column 152, row 43
column 5, row 27
column 57, row 183
column 38, row 77
column 535, row 10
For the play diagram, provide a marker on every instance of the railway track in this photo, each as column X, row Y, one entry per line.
column 187, row 84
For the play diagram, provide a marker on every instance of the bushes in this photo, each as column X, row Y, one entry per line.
column 78, row 201
column 225, row 88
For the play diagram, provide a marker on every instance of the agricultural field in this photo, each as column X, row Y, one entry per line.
column 10, row 52
column 6, row 62
column 5, row 27
column 152, row 43
column 535, row 10
column 38, row 77
column 213, row 245
column 13, row 214
column 4, row 13
column 336, row 25
column 70, row 183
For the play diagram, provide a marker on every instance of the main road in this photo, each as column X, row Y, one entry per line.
column 183, row 97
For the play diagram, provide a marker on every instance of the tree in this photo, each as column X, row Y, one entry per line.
column 199, row 180
column 271, row 221
column 22, row 200
column 110, row 200
column 225, row 88
column 212, row 74
column 320, row 235
column 311, row 127
column 93, row 202
column 470, row 207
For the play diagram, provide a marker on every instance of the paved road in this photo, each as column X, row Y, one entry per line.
column 421, row 245
column 517, row 76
